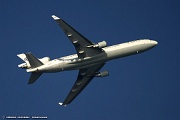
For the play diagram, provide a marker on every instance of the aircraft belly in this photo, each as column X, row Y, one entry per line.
column 54, row 67
column 122, row 52
column 86, row 63
column 109, row 54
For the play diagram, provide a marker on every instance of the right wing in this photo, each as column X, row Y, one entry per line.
column 83, row 46
column 83, row 79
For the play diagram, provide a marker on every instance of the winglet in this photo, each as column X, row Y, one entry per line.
column 55, row 17
column 60, row 103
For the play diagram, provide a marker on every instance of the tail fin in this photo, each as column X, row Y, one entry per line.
column 34, row 76
column 34, row 62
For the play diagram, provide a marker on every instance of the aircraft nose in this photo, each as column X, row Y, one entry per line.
column 154, row 42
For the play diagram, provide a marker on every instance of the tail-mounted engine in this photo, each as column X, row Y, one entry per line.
column 102, row 74
column 45, row 60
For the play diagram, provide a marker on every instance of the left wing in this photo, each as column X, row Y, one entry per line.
column 84, row 77
column 83, row 46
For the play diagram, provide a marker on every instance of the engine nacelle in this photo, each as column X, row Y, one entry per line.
column 45, row 60
column 102, row 74
column 101, row 44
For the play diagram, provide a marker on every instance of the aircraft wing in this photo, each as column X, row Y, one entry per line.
column 83, row 79
column 82, row 45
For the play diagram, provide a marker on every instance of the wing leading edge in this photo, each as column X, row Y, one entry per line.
column 84, row 78
column 82, row 45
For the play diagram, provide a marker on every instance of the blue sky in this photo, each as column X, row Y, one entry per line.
column 140, row 87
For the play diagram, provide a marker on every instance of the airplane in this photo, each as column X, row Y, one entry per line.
column 90, row 58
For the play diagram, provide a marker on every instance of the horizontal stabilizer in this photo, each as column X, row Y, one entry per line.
column 55, row 17
column 34, row 76
column 34, row 62
column 23, row 57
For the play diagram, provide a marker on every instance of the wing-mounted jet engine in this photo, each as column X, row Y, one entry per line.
column 102, row 74
column 99, row 45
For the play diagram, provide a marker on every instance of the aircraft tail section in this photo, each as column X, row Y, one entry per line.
column 34, row 76
column 33, row 61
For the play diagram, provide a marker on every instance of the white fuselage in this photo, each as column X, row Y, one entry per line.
column 72, row 62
